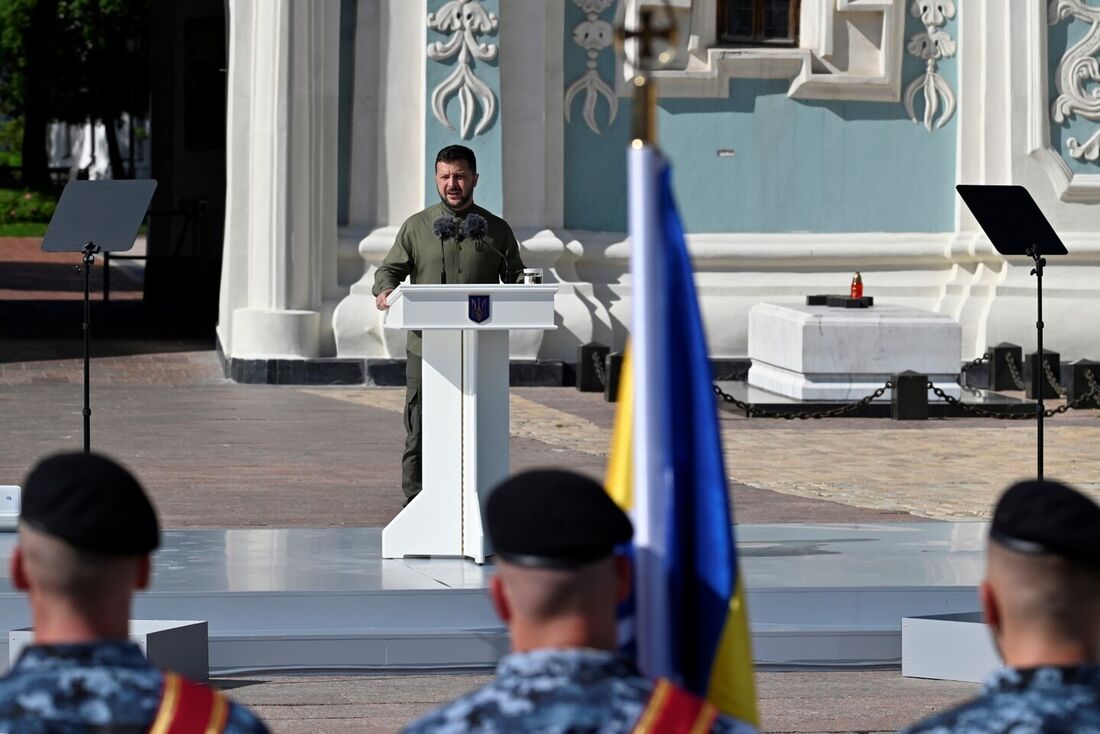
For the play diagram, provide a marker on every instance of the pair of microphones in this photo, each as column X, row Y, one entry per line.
column 474, row 228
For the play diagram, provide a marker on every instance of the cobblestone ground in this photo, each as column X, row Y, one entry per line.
column 943, row 470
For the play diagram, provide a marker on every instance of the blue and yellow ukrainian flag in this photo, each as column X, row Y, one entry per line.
column 666, row 469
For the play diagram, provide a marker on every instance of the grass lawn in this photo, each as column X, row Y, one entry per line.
column 27, row 210
column 23, row 229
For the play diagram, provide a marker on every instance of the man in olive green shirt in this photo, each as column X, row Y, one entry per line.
column 424, row 258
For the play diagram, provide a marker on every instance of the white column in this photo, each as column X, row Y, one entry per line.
column 363, row 183
column 280, row 246
column 387, row 183
column 532, row 116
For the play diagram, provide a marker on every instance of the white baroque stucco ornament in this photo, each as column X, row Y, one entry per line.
column 931, row 45
column 464, row 20
column 1078, row 73
column 593, row 35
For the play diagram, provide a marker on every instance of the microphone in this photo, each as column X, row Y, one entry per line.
column 444, row 227
column 475, row 228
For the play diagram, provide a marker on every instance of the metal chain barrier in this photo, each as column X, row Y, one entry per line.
column 598, row 364
column 1011, row 362
column 975, row 410
column 974, row 363
column 751, row 411
column 1094, row 391
column 1051, row 379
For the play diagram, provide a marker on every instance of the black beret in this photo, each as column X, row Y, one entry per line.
column 1045, row 517
column 554, row 519
column 91, row 503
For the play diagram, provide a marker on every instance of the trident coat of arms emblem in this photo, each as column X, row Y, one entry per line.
column 479, row 309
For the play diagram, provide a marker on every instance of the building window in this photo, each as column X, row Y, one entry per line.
column 758, row 22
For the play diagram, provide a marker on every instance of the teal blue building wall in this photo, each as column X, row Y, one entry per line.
column 486, row 146
column 1062, row 36
column 798, row 165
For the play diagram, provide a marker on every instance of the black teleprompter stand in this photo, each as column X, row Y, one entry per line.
column 89, row 251
column 1015, row 226
column 94, row 217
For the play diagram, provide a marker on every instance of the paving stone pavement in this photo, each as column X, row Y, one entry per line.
column 527, row 419
column 942, row 472
column 880, row 701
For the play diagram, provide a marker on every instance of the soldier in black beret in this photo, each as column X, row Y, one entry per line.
column 1041, row 601
column 558, row 583
column 86, row 533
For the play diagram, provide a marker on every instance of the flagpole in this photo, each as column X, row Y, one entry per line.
column 648, row 342
column 688, row 613
column 644, row 114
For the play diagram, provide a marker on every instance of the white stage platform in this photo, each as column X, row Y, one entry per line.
column 324, row 599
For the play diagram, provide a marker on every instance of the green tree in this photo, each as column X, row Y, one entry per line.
column 73, row 61
column 25, row 27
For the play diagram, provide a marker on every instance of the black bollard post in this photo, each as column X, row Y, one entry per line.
column 1040, row 379
column 613, row 366
column 1079, row 384
column 590, row 367
column 1000, row 371
column 909, row 400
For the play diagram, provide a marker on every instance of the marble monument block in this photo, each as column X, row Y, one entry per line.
column 835, row 354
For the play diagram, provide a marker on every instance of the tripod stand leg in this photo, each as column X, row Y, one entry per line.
column 89, row 258
column 1037, row 271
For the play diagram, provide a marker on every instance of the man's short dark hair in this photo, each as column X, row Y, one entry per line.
column 453, row 153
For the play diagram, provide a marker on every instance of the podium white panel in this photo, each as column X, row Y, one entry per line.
column 464, row 390
column 427, row 526
column 485, row 431
column 445, row 307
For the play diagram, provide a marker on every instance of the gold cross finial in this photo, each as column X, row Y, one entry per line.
column 644, row 125
column 648, row 33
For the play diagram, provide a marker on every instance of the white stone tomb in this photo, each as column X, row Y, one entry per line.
column 840, row 354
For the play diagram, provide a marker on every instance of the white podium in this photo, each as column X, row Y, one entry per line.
column 464, row 388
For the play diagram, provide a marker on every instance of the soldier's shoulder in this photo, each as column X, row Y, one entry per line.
column 238, row 719
column 1033, row 710
column 544, row 704
column 129, row 693
column 609, row 705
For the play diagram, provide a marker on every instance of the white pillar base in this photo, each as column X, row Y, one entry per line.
column 261, row 333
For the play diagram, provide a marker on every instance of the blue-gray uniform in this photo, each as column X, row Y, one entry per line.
column 94, row 687
column 1029, row 701
column 548, row 691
